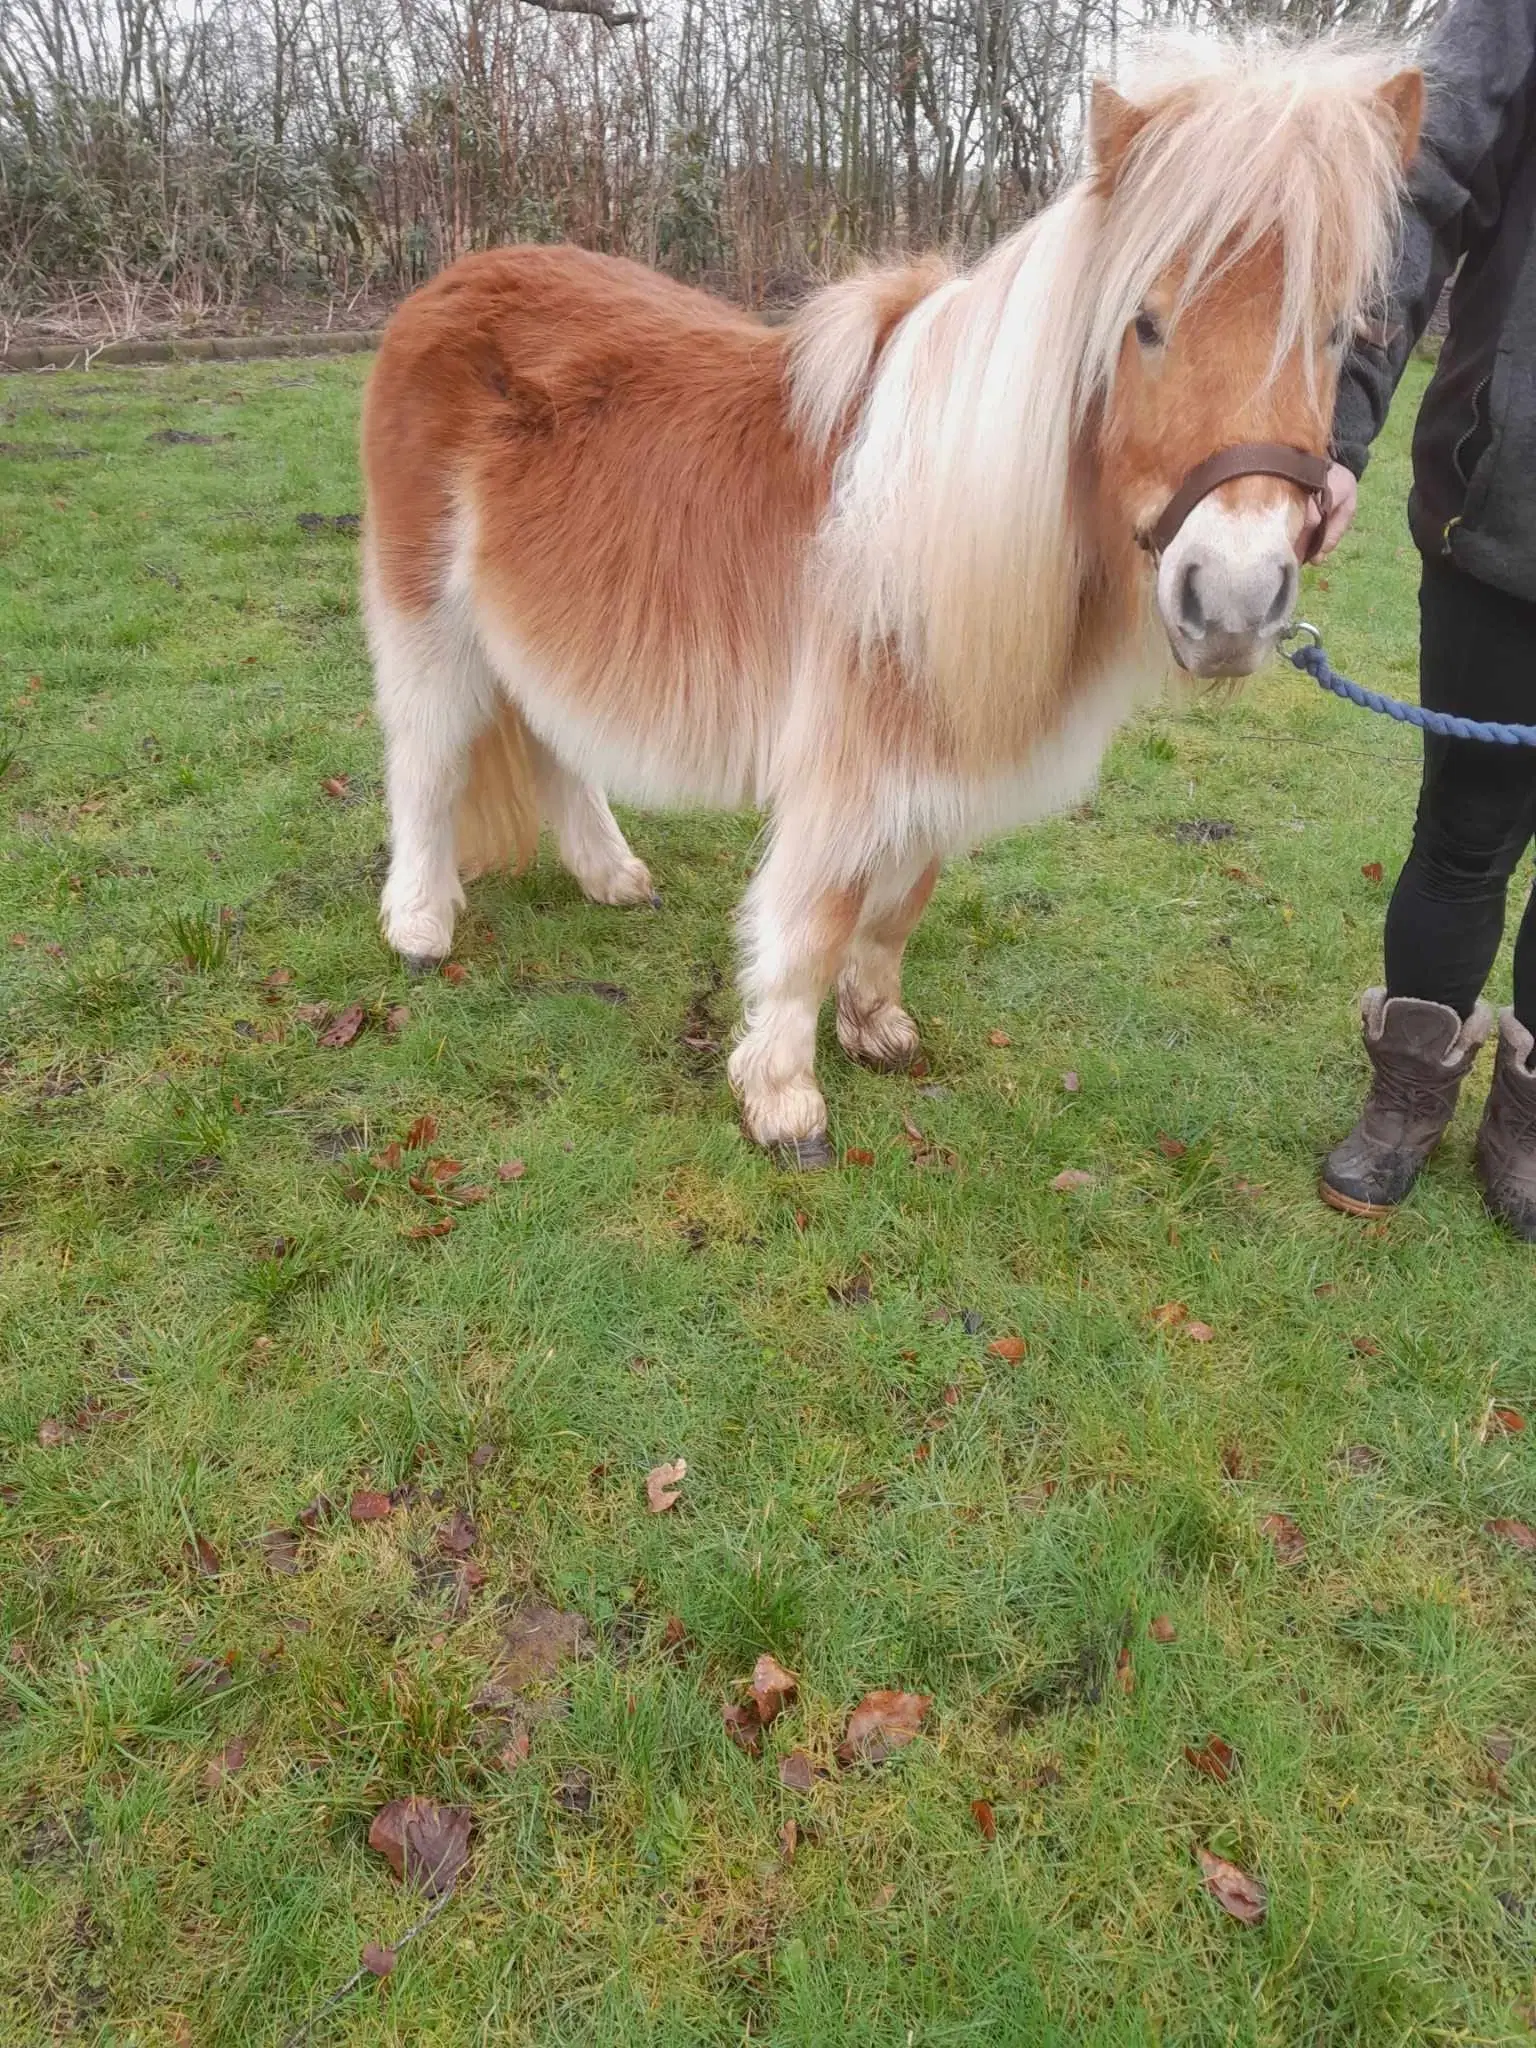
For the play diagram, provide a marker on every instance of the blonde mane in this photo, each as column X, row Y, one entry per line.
column 954, row 536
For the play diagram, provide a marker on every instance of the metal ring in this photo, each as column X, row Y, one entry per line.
column 1301, row 626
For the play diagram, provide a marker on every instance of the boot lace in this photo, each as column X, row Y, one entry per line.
column 1403, row 1086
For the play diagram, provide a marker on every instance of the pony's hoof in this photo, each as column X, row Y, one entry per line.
column 419, row 965
column 804, row 1155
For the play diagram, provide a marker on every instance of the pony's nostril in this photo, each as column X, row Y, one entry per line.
column 1191, row 611
column 1285, row 597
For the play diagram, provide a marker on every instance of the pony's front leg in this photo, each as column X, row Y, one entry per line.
column 871, row 1023
column 796, row 925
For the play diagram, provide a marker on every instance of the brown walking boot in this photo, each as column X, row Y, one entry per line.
column 1506, row 1143
column 1420, row 1052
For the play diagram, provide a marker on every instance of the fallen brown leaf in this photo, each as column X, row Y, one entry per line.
column 1198, row 1333
column 396, row 1017
column 231, row 1758
column 457, row 1536
column 1071, row 1177
column 516, row 1751
column 856, row 1155
column 1236, row 1463
column 202, row 1556
column 743, row 1727
column 1125, row 1673
column 280, row 1551
column 789, row 1838
column 378, row 1961
column 796, row 1771
column 1289, row 1543
column 336, row 785
column 481, row 1456
column 1169, row 1314
column 771, row 1689
column 998, row 1038
column 985, row 1819
column 1373, row 871
column 662, row 1483
column 1069, row 1081
column 50, row 1432
column 1216, row 1760
column 574, row 1792
column 425, row 1844
column 1012, row 1349
column 1508, row 1421
column 369, row 1507
column 1507, row 1530
column 512, row 1169
column 440, row 1228
column 421, row 1134
column 1171, row 1148
column 319, row 1510
column 674, row 1637
column 1162, row 1630
column 1365, row 1347
column 880, row 1724
column 346, row 1027
column 455, row 971
column 1233, row 1890
column 387, row 1160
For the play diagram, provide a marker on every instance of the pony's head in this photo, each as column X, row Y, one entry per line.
column 1248, row 204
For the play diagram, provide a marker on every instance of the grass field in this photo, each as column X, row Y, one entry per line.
column 213, row 1310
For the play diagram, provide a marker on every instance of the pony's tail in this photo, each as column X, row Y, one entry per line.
column 497, row 821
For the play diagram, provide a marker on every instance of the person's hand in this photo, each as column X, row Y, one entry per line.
column 1343, row 496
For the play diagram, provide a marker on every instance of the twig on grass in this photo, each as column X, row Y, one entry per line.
column 302, row 2032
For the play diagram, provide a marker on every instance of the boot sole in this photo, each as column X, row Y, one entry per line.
column 1351, row 1205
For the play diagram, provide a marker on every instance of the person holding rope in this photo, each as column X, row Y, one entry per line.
column 1472, row 510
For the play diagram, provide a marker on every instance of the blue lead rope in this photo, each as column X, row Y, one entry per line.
column 1312, row 661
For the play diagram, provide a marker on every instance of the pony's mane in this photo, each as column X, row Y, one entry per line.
column 952, row 534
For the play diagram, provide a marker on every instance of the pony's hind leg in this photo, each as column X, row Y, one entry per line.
column 796, row 925
column 871, row 1023
column 434, row 694
column 587, row 834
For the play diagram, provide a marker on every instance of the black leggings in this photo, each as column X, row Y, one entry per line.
column 1477, row 803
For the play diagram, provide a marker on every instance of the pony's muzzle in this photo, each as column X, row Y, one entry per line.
column 1226, row 588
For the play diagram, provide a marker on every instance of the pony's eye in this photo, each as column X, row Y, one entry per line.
column 1148, row 332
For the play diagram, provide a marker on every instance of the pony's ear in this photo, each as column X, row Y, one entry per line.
column 1401, row 100
column 1114, row 122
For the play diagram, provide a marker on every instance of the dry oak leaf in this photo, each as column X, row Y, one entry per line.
column 1373, row 871
column 1012, row 1349
column 1198, row 1333
column 998, row 1038
column 387, row 1160
column 662, row 1483
column 796, row 1771
column 985, row 1819
column 1237, row 1893
column 857, row 1155
column 455, row 971
column 1071, row 1177
column 1169, row 1314
column 377, row 1960
column 336, row 785
column 346, row 1026
column 512, row 1169
column 419, row 1231
column 771, row 1689
column 421, row 1133
column 202, row 1556
column 231, row 1758
column 1216, row 1760
column 1171, row 1148
column 880, row 1724
column 1162, row 1630
column 1508, row 1530
column 425, row 1844
column 1507, row 1421
column 1290, row 1544
column 369, row 1507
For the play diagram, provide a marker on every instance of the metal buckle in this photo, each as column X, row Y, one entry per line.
column 1299, row 626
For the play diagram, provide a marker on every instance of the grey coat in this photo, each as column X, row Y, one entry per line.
column 1472, row 200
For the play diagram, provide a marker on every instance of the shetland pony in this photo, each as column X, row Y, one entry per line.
column 877, row 571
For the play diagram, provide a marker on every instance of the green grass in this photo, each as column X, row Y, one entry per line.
column 192, row 1239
